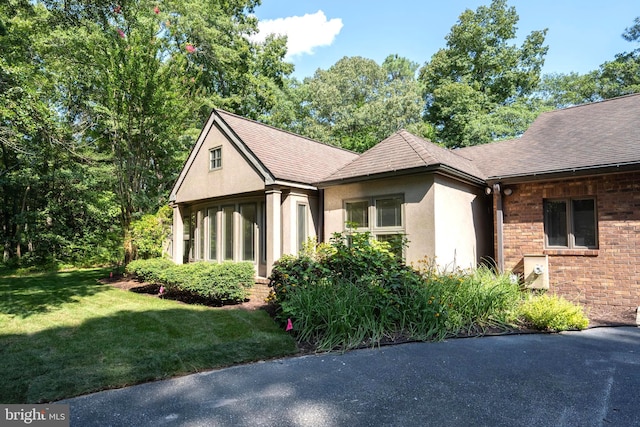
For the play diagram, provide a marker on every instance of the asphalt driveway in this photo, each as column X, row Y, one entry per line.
column 589, row 378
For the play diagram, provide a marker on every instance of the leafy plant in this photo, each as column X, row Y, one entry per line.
column 553, row 313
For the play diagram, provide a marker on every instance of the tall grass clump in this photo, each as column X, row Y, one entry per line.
column 474, row 299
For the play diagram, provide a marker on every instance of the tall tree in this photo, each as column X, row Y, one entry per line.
column 622, row 75
column 356, row 102
column 481, row 79
column 136, row 79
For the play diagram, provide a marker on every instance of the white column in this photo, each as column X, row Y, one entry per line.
column 274, row 227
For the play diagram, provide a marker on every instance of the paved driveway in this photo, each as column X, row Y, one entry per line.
column 589, row 378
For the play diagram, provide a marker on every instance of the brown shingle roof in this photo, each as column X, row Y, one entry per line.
column 599, row 135
column 404, row 151
column 288, row 156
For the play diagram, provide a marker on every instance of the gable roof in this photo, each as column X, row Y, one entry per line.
column 288, row 156
column 404, row 152
column 602, row 136
column 278, row 156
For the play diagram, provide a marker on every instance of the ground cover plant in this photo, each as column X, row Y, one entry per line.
column 356, row 291
column 65, row 334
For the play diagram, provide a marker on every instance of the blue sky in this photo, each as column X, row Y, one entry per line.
column 582, row 34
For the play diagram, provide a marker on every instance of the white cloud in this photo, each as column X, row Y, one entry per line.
column 304, row 33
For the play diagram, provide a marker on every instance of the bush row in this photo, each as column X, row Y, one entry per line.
column 228, row 282
column 355, row 291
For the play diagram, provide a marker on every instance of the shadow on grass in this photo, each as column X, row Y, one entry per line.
column 129, row 347
column 24, row 296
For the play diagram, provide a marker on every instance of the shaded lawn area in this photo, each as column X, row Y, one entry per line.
column 64, row 334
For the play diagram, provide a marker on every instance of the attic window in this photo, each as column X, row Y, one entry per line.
column 215, row 158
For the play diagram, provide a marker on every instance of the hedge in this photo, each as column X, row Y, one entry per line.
column 228, row 282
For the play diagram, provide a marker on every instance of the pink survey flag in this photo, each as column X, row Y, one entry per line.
column 289, row 325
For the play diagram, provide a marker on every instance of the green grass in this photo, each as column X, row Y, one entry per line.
column 65, row 334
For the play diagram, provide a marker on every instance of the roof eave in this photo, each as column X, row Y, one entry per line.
column 435, row 168
column 565, row 173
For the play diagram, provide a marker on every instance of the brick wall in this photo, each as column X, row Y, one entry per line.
column 609, row 274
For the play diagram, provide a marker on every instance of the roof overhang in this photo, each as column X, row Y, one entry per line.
column 436, row 168
column 565, row 173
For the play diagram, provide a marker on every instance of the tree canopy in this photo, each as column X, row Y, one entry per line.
column 474, row 88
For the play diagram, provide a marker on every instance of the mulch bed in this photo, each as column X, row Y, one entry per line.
column 599, row 315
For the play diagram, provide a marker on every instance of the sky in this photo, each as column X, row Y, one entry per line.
column 582, row 34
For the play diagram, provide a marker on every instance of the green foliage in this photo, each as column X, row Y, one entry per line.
column 228, row 282
column 469, row 84
column 553, row 313
column 356, row 103
column 348, row 295
column 149, row 234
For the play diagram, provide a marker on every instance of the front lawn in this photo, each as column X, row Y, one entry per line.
column 65, row 334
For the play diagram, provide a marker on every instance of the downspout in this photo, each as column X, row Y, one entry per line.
column 499, row 228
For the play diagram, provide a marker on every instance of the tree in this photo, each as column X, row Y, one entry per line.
column 356, row 102
column 137, row 79
column 622, row 75
column 479, row 79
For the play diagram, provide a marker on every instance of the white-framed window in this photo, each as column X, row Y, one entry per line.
column 228, row 233
column 249, row 215
column 382, row 216
column 302, row 232
column 215, row 158
column 570, row 223
column 213, row 233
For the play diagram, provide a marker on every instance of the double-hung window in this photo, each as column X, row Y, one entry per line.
column 215, row 158
column 382, row 216
column 570, row 223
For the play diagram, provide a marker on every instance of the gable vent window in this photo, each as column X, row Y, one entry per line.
column 570, row 223
column 215, row 158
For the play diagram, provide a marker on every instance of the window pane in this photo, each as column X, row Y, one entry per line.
column 215, row 158
column 227, row 229
column 249, row 216
column 555, row 222
column 388, row 212
column 213, row 234
column 358, row 214
column 584, row 222
column 302, row 226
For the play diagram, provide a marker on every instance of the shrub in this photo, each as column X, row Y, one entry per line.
column 224, row 283
column 150, row 270
column 553, row 313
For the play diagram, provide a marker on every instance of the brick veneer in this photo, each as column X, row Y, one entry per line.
column 609, row 274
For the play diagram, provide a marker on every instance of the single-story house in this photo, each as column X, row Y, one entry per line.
column 559, row 206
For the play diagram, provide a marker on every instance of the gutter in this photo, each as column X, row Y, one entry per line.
column 497, row 196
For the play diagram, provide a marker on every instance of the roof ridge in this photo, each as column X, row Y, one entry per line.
column 402, row 133
column 283, row 130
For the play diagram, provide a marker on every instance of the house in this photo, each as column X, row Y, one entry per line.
column 559, row 206
column 566, row 195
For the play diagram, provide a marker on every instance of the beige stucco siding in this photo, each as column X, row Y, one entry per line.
column 461, row 218
column 234, row 177
column 418, row 215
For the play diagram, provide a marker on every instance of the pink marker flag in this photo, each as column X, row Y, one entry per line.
column 289, row 325
column 190, row 48
column 161, row 290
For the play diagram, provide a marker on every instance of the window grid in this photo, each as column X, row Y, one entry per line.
column 215, row 158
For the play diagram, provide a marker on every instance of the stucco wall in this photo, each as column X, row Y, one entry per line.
column 417, row 215
column 463, row 231
column 236, row 175
column 609, row 274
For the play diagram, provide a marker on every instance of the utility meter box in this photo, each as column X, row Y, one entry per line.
column 536, row 271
